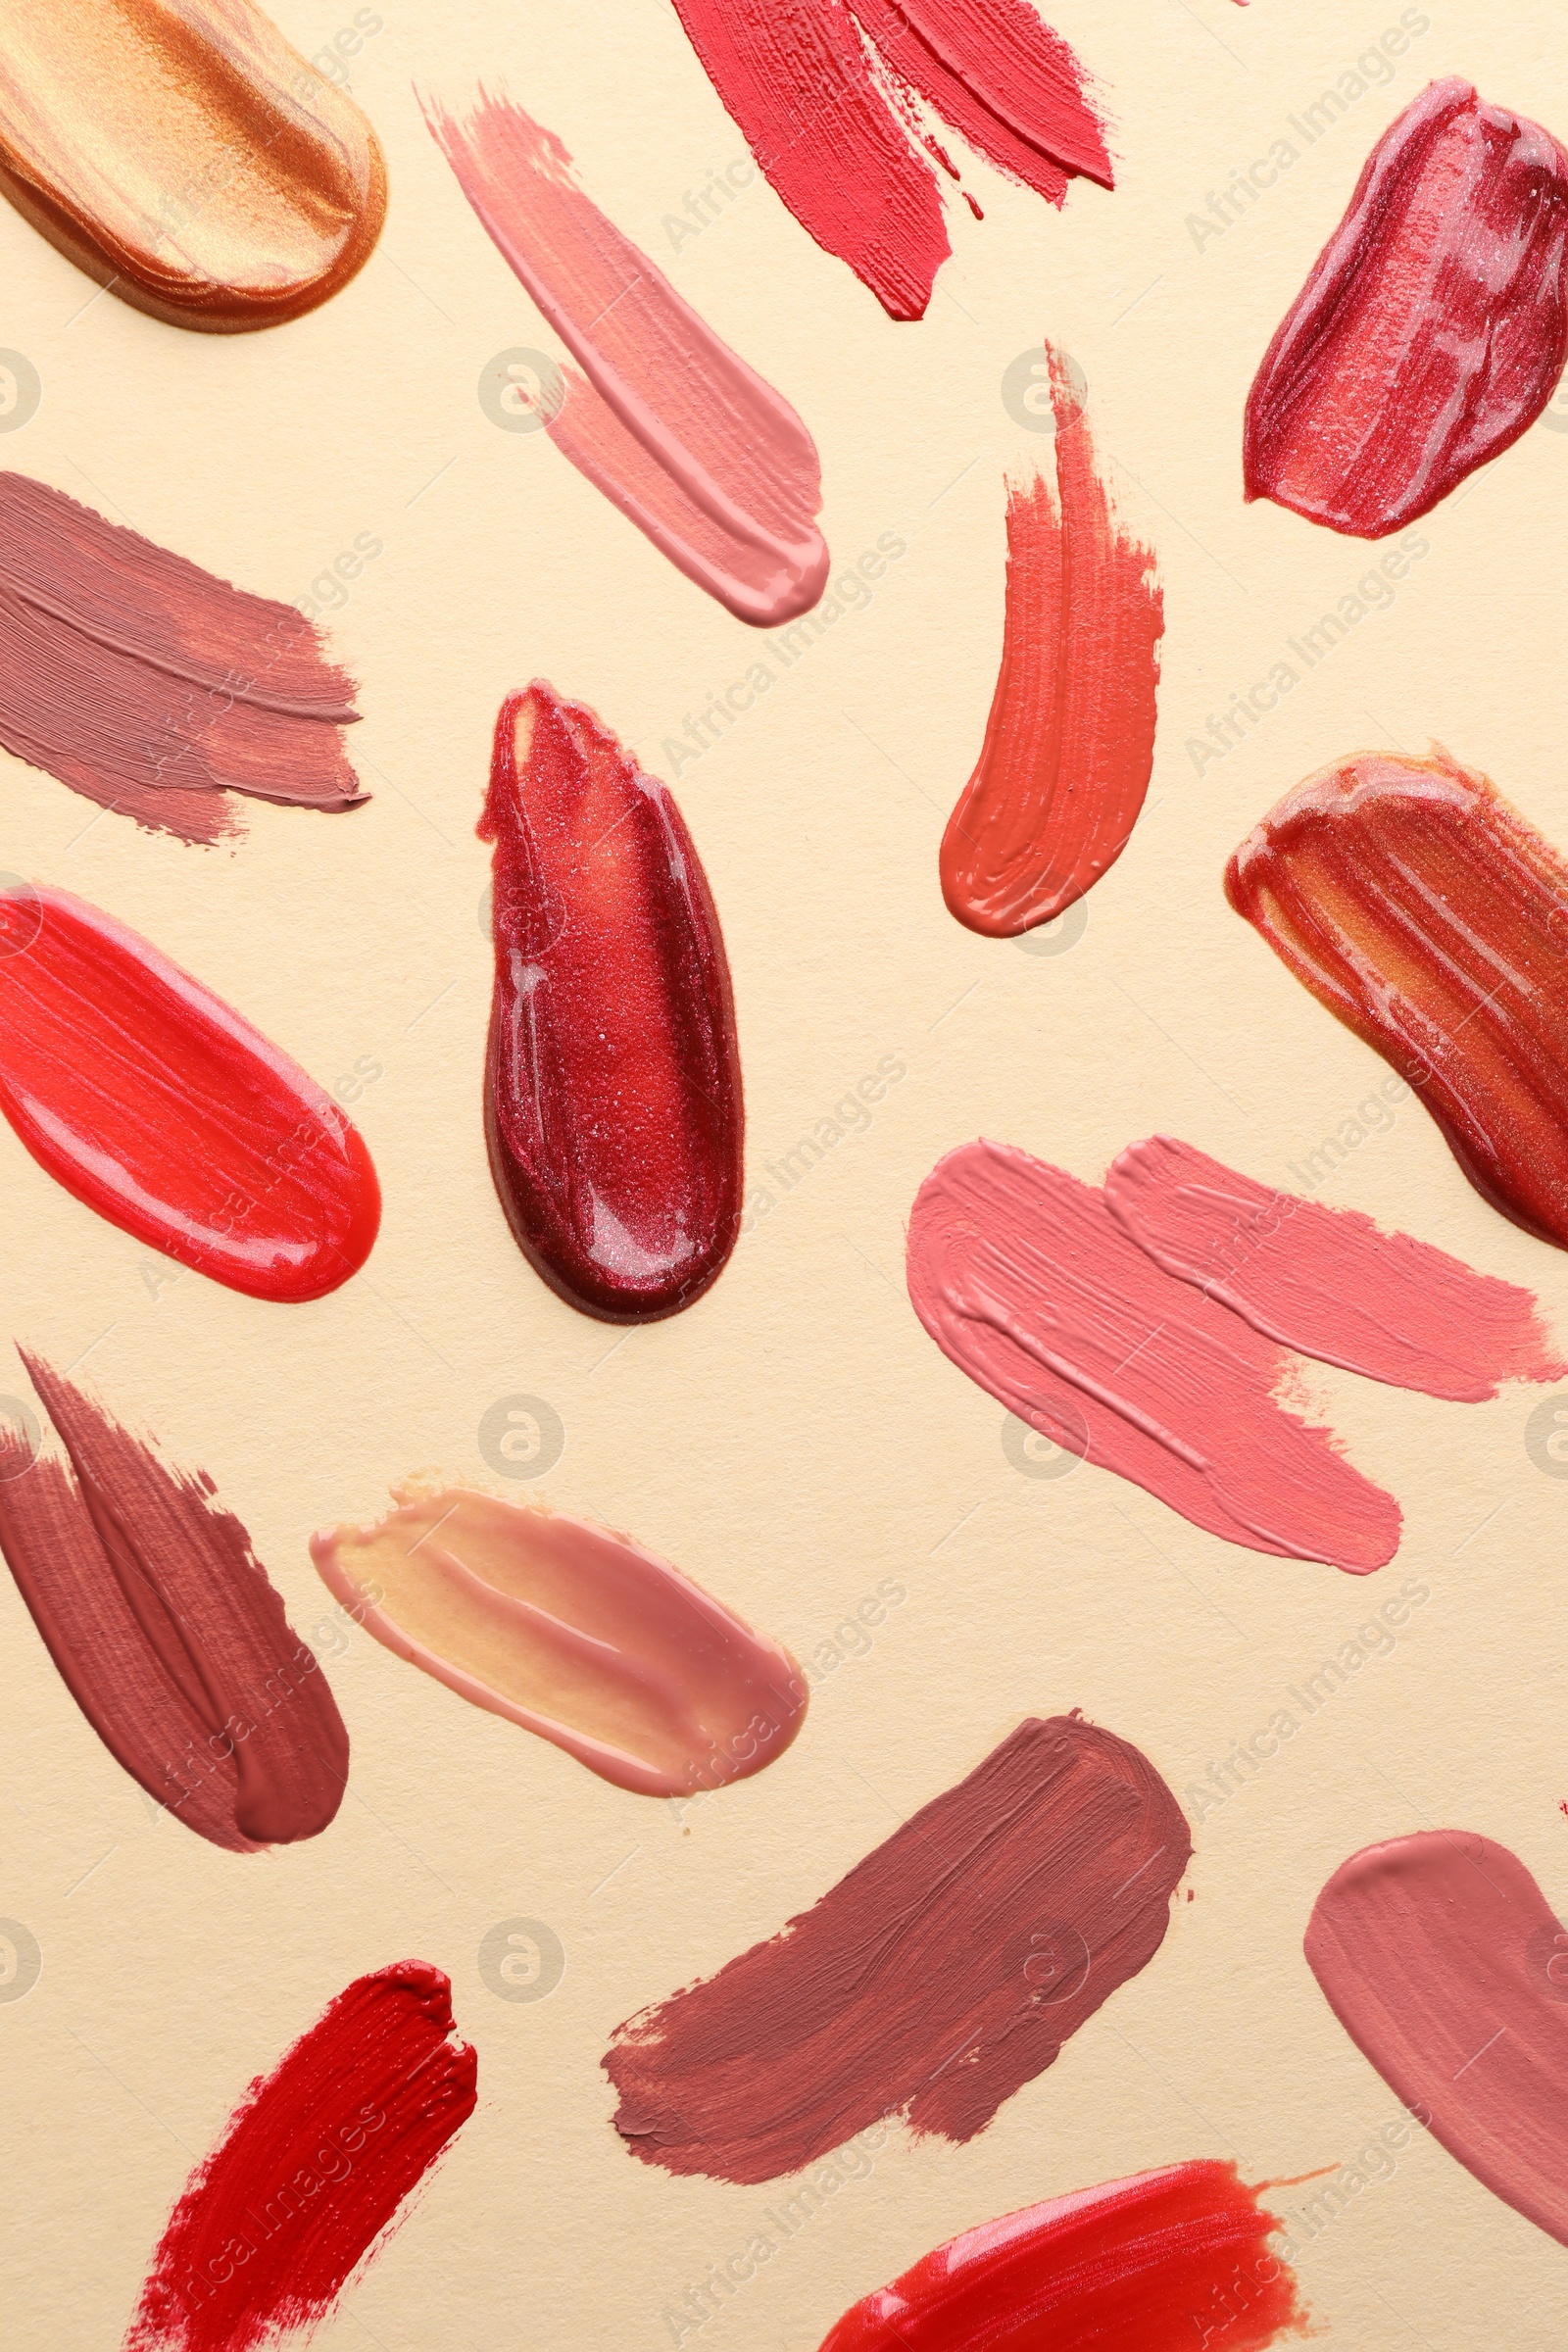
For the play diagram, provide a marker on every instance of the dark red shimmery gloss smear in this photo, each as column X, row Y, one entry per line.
column 613, row 1091
column 156, row 1104
column 1434, row 326
column 312, row 2168
column 1165, row 2262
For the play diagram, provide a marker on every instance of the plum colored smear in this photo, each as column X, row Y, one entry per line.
column 156, row 1104
column 1070, row 740
column 570, row 1630
column 678, row 433
column 1027, row 1283
column 612, row 1090
column 947, row 1969
column 1421, row 910
column 1328, row 1281
column 185, row 157
column 1140, row 2263
column 1434, row 326
column 153, row 687
column 827, row 97
column 313, row 2170
column 166, row 1629
column 1440, row 1957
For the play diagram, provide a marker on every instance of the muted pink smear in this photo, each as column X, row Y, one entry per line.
column 1025, row 1280
column 704, row 457
column 1327, row 1280
column 153, row 687
column 829, row 98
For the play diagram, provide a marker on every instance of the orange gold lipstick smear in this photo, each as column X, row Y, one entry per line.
column 183, row 155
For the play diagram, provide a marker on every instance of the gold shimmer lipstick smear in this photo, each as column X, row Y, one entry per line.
column 185, row 157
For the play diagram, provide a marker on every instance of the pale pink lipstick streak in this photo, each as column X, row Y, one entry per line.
column 693, row 447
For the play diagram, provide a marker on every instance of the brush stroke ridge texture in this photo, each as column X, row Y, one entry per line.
column 167, row 1631
column 678, row 433
column 570, row 1630
column 151, row 686
column 312, row 2171
column 1027, row 1283
column 1440, row 1957
column 942, row 1973
column 1070, row 741
column 1414, row 902
column 828, row 99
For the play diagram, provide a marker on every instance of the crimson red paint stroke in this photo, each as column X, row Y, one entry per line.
column 1168, row 2261
column 1434, row 326
column 828, row 97
column 612, row 1094
column 161, row 1107
column 313, row 2169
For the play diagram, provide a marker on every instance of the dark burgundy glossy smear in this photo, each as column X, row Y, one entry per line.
column 1434, row 326
column 161, row 1107
column 1165, row 2262
column 1423, row 910
column 167, row 1631
column 612, row 1092
column 313, row 2169
column 947, row 1969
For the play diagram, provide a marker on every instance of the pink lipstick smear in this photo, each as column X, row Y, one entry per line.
column 1030, row 1286
column 1328, row 1281
column 1433, row 329
column 153, row 687
column 829, row 98
column 570, row 1630
column 693, row 447
column 947, row 1969
column 1070, row 741
column 167, row 1631
column 1440, row 1958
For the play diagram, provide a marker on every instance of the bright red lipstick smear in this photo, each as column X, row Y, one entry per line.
column 1165, row 2262
column 156, row 1104
column 1432, row 329
column 613, row 1092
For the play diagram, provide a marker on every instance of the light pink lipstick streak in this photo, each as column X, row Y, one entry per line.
column 1328, row 1281
column 1025, row 1280
column 704, row 457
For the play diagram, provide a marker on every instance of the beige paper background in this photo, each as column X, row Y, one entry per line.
column 795, row 1437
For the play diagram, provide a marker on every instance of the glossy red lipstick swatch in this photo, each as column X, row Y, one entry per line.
column 167, row 1631
column 1028, row 1284
column 689, row 442
column 1070, row 740
column 1440, row 1958
column 156, row 1104
column 612, row 1088
column 1421, row 910
column 1434, row 326
column 1165, row 2262
column 312, row 2171
column 151, row 686
column 1328, row 1281
column 827, row 96
column 947, row 1969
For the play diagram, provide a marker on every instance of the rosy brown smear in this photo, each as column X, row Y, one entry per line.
column 1440, row 1958
column 704, row 457
column 1070, row 740
column 167, row 1632
column 570, row 1630
column 1327, row 1280
column 947, row 1969
column 152, row 686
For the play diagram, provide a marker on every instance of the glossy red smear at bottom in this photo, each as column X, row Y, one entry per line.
column 1165, row 2262
column 612, row 1094
column 312, row 2168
